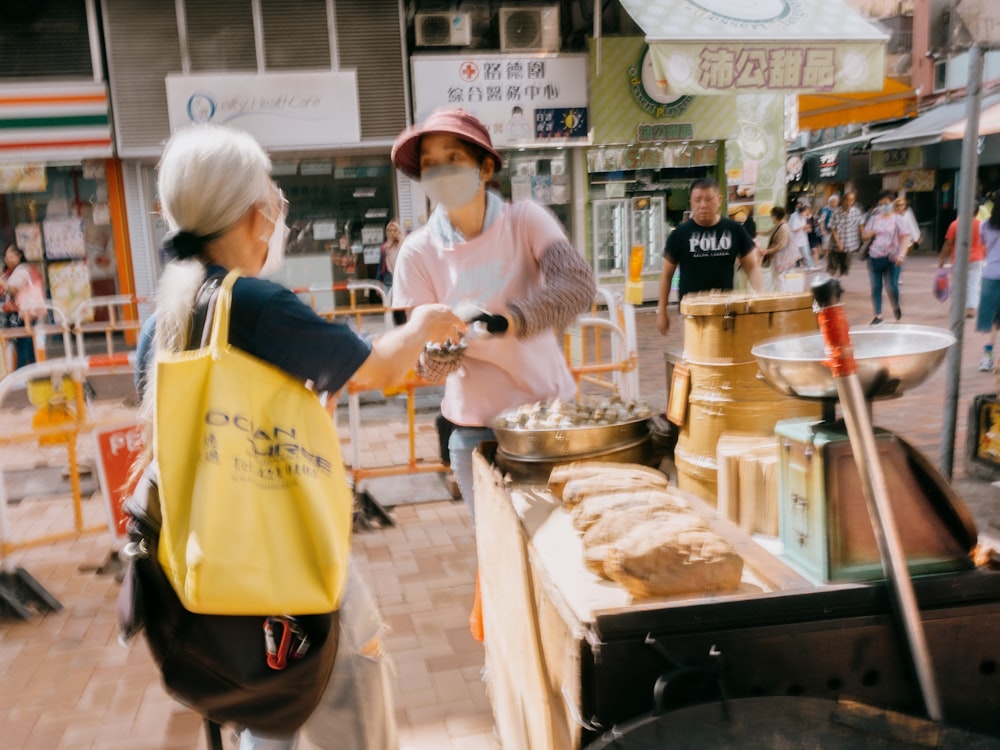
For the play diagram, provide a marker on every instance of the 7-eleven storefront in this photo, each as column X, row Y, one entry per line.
column 61, row 191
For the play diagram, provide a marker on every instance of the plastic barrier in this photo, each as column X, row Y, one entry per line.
column 17, row 588
column 590, row 371
column 122, row 316
column 368, row 508
column 39, row 332
column 588, row 360
column 310, row 295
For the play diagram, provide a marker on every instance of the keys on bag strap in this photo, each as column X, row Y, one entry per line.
column 292, row 641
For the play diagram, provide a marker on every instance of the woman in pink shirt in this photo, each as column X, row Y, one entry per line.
column 24, row 300
column 510, row 261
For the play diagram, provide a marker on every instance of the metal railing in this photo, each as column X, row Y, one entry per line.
column 122, row 315
column 591, row 335
column 54, row 321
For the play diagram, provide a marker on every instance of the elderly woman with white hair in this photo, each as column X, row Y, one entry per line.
column 225, row 212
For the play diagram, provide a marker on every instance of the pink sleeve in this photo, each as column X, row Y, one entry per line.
column 411, row 285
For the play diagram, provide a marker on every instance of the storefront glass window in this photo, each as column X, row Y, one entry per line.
column 637, row 207
column 60, row 218
column 338, row 209
column 542, row 175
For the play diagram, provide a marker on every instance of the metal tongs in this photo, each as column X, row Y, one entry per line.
column 482, row 323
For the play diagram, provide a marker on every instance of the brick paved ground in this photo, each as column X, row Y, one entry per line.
column 65, row 682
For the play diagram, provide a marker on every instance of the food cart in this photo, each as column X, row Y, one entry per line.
column 574, row 660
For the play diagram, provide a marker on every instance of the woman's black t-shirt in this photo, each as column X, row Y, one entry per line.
column 271, row 323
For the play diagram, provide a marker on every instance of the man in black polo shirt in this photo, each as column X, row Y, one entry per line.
column 705, row 249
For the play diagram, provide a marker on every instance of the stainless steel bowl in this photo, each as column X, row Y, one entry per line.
column 569, row 441
column 891, row 359
column 537, row 470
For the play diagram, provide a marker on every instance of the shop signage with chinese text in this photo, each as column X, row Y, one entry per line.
column 828, row 163
column 895, row 160
column 522, row 99
column 664, row 131
column 793, row 46
column 616, row 158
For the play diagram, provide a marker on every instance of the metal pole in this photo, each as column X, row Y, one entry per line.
column 840, row 358
column 963, row 240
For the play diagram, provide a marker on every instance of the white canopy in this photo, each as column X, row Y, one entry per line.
column 760, row 46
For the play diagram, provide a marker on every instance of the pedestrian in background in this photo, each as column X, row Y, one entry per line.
column 890, row 242
column 977, row 254
column 815, row 234
column 845, row 235
column 389, row 253
column 988, row 315
column 902, row 207
column 23, row 300
column 780, row 255
column 798, row 225
column 826, row 223
column 705, row 249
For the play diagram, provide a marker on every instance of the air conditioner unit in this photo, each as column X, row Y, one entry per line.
column 530, row 29
column 443, row 29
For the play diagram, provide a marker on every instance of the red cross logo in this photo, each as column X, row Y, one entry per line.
column 469, row 71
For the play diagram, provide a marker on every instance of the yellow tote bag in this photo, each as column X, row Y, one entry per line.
column 256, row 508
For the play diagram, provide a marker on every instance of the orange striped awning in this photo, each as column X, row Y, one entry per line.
column 894, row 102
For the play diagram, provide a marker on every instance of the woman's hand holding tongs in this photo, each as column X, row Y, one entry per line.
column 481, row 322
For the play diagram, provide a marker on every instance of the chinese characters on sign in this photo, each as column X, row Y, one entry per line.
column 739, row 67
column 672, row 131
column 828, row 164
column 895, row 160
column 560, row 123
column 522, row 99
column 516, row 81
column 614, row 158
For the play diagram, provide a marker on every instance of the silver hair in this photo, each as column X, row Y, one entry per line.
column 209, row 176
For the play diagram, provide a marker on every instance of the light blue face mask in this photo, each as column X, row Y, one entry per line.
column 450, row 185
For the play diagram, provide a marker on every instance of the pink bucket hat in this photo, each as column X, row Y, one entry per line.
column 456, row 122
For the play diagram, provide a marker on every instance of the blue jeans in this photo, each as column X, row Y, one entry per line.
column 883, row 270
column 462, row 442
column 356, row 711
column 25, row 349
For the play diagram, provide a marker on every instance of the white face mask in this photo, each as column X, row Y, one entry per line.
column 451, row 186
column 275, row 248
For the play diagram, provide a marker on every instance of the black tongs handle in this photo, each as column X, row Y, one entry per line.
column 493, row 323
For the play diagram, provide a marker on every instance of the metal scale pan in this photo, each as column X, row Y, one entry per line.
column 890, row 360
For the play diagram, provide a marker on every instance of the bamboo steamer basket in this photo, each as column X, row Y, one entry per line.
column 726, row 394
column 696, row 474
column 722, row 327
